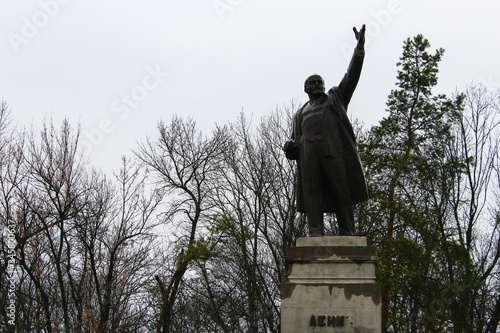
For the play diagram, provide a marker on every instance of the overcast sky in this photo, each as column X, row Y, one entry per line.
column 118, row 67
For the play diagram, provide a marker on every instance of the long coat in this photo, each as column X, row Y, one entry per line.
column 338, row 139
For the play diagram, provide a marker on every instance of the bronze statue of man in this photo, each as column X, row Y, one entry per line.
column 330, row 177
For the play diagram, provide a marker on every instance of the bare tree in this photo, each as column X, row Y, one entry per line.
column 83, row 243
column 475, row 224
column 254, row 220
column 184, row 163
column 118, row 237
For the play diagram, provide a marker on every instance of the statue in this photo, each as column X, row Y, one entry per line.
column 330, row 177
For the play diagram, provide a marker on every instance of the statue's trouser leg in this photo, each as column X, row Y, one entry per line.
column 337, row 181
column 345, row 219
column 312, row 188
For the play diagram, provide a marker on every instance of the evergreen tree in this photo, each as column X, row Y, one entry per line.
column 409, row 170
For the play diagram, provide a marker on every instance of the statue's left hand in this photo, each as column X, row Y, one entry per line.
column 360, row 36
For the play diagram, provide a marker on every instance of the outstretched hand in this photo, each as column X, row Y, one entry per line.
column 360, row 36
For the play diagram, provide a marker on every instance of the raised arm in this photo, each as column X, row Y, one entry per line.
column 351, row 78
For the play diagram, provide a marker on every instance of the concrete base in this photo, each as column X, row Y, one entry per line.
column 331, row 287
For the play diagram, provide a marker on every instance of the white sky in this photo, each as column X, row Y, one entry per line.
column 118, row 67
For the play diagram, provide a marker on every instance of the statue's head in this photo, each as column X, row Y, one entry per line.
column 314, row 85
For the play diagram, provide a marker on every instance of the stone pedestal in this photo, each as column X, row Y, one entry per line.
column 331, row 287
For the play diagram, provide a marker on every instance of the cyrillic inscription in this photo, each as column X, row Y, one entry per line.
column 335, row 321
